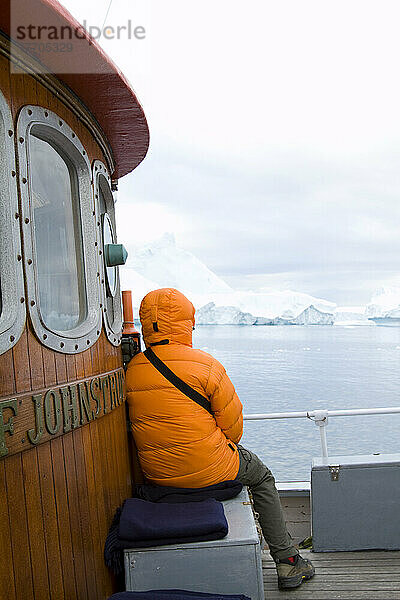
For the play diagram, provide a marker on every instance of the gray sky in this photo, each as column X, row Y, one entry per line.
column 275, row 137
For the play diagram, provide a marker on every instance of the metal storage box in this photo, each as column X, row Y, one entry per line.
column 231, row 565
column 355, row 502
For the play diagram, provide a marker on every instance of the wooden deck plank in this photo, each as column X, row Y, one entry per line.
column 354, row 563
column 370, row 575
column 362, row 555
column 341, row 586
column 308, row 594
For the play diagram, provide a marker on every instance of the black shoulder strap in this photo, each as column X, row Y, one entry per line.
column 176, row 381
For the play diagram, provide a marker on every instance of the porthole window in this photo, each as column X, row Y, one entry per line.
column 12, row 300
column 111, row 270
column 59, row 230
column 57, row 239
column 110, row 285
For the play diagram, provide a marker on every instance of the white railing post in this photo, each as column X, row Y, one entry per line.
column 321, row 420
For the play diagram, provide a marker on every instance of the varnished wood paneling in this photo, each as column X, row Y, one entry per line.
column 17, row 501
column 58, row 499
column 7, row 583
column 75, row 517
column 50, row 520
column 35, row 522
column 61, row 494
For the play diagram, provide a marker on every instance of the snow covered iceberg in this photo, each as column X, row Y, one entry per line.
column 163, row 264
column 223, row 315
column 313, row 316
column 383, row 301
column 351, row 315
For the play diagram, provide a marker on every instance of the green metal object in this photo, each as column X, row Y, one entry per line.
column 115, row 254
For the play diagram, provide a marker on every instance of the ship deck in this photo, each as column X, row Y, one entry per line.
column 371, row 575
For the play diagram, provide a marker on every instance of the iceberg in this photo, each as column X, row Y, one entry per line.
column 351, row 315
column 222, row 315
column 138, row 284
column 384, row 300
column 394, row 314
column 163, row 264
column 384, row 308
column 313, row 316
column 390, row 319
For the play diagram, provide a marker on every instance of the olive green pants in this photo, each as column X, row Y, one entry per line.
column 254, row 474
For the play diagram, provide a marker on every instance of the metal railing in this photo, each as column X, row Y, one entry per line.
column 320, row 418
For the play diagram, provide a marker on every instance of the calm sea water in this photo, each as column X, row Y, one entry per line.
column 277, row 369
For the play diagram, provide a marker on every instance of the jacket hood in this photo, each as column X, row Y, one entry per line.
column 166, row 314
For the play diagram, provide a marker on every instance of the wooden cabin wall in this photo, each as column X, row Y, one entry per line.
column 58, row 499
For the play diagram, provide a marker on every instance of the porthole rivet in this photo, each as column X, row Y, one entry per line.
column 95, row 243
column 13, row 173
column 94, row 213
column 22, row 300
column 98, row 223
column 102, row 281
column 16, row 215
column 10, row 132
column 27, row 220
column 60, row 123
column 98, row 332
column 33, row 303
column 96, row 196
column 73, row 135
column 12, row 338
column 29, row 261
column 62, row 344
column 46, row 114
column 29, row 112
column 45, row 336
column 101, row 306
column 19, row 257
column 83, row 152
column 24, row 180
column 76, row 346
column 100, row 252
column 88, row 342
column 21, row 139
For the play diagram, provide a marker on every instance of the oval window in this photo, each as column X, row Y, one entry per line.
column 57, row 239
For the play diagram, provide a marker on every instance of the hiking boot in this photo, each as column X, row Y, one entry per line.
column 292, row 571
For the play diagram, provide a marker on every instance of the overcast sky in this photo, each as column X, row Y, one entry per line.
column 275, row 137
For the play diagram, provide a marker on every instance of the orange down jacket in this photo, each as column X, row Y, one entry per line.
column 179, row 443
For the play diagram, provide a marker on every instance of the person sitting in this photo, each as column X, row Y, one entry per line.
column 182, row 444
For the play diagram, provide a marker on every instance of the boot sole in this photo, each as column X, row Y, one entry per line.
column 294, row 582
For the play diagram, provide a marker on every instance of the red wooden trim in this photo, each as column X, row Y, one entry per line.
column 101, row 86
